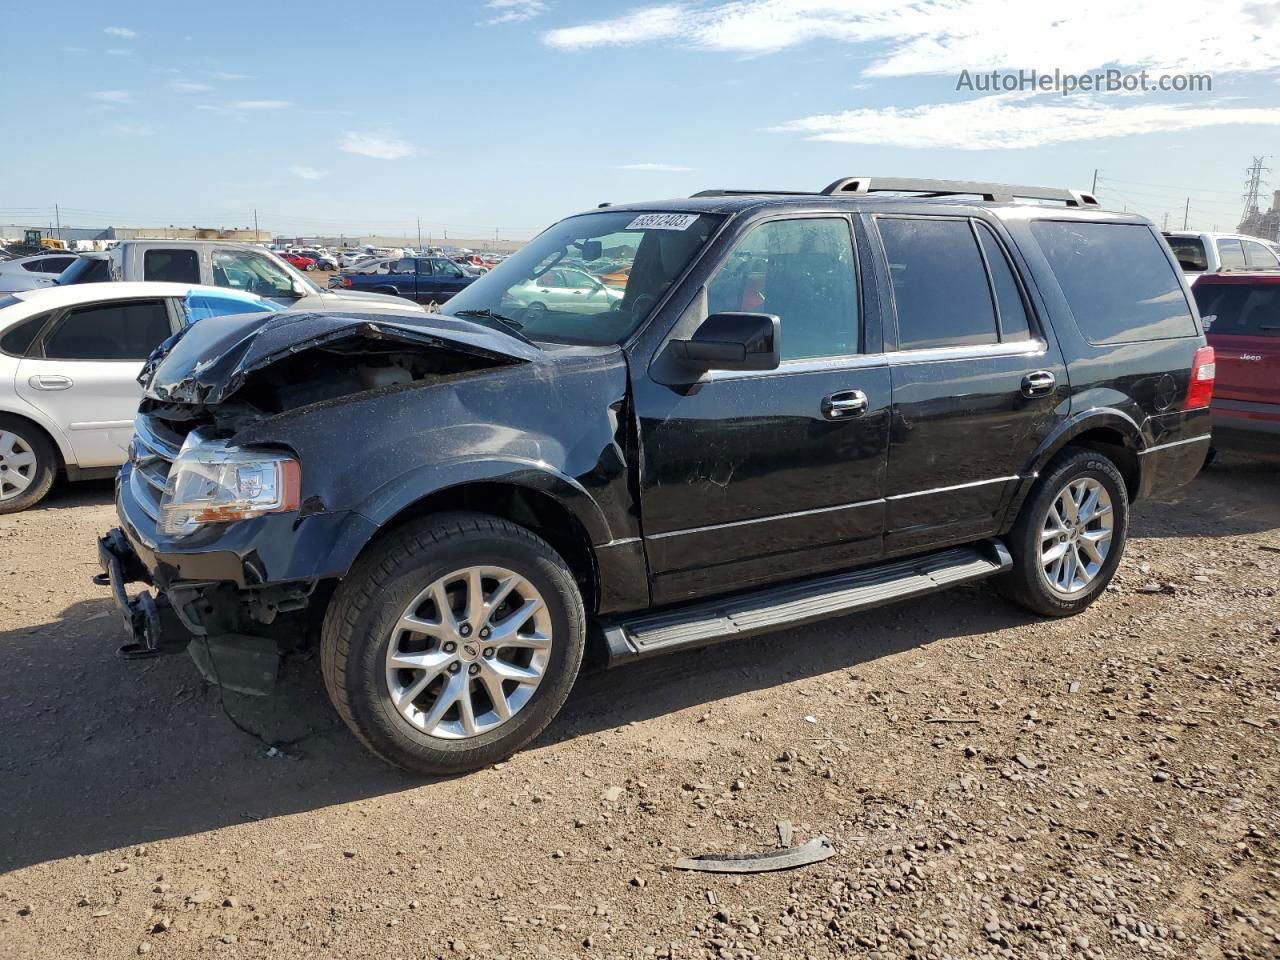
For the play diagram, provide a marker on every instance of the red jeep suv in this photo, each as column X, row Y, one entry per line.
column 1241, row 313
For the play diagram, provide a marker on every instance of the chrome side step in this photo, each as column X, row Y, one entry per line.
column 760, row 611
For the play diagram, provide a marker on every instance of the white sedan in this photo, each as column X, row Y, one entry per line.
column 69, row 362
column 33, row 273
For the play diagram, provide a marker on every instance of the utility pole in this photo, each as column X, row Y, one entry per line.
column 255, row 224
column 57, row 215
column 419, row 234
column 1095, row 180
column 1186, row 214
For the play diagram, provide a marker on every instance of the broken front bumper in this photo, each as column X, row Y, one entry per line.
column 193, row 616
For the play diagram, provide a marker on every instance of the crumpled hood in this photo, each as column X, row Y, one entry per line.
column 208, row 361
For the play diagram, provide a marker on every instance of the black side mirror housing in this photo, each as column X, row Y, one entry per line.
column 732, row 341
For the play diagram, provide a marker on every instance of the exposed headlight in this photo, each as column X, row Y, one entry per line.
column 211, row 482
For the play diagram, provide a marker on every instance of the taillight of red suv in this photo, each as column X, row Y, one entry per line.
column 1203, row 371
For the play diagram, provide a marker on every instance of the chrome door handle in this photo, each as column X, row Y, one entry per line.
column 846, row 403
column 50, row 381
column 1038, row 384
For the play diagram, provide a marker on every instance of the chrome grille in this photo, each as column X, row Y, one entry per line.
column 155, row 446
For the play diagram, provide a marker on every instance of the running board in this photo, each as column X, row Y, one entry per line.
column 747, row 614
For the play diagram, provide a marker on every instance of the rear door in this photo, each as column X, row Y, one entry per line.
column 82, row 373
column 1242, row 322
column 976, row 380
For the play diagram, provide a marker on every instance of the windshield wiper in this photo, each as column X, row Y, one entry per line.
column 488, row 314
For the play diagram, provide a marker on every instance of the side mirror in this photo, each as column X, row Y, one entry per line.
column 300, row 289
column 733, row 341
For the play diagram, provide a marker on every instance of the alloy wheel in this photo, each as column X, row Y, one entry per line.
column 1076, row 537
column 17, row 465
column 468, row 652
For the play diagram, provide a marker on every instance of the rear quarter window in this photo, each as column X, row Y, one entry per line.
column 1117, row 280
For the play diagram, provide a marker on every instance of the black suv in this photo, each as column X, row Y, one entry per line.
column 794, row 405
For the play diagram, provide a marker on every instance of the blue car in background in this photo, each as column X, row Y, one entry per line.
column 420, row 279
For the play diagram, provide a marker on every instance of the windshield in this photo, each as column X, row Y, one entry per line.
column 86, row 270
column 591, row 279
column 1189, row 252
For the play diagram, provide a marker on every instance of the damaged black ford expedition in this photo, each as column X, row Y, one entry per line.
column 659, row 426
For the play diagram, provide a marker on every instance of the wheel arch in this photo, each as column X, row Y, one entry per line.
column 51, row 433
column 550, row 506
column 1108, row 431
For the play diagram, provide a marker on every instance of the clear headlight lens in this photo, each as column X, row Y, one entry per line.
column 211, row 482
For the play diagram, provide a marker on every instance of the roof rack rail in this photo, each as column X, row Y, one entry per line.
column 716, row 192
column 994, row 192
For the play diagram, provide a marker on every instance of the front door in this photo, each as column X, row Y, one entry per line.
column 977, row 385
column 753, row 478
column 82, row 374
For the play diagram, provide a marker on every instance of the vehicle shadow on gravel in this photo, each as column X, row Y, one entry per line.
column 101, row 753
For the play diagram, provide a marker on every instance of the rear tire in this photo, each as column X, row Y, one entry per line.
column 28, row 464
column 1070, row 535
column 430, row 682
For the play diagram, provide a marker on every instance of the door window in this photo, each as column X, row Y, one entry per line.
column 1011, row 308
column 940, row 287
column 446, row 268
column 1256, row 255
column 803, row 272
column 17, row 340
column 171, row 266
column 424, row 268
column 109, row 331
column 1231, row 253
column 252, row 273
column 404, row 265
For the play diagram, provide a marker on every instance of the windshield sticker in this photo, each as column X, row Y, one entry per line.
column 662, row 221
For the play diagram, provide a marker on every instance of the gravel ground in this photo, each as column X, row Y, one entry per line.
column 993, row 784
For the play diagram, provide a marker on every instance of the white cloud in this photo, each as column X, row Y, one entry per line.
column 259, row 104
column 182, row 86
column 646, row 24
column 112, row 96
column 380, row 146
column 945, row 36
column 129, row 129
column 1011, row 122
column 308, row 173
column 655, row 167
column 514, row 11
column 123, row 33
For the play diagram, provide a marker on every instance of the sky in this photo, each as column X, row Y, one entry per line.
column 496, row 118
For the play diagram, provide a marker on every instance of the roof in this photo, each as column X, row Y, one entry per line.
column 54, row 297
column 1217, row 235
column 1238, row 276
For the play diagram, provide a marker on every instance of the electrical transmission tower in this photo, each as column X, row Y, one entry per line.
column 1253, row 186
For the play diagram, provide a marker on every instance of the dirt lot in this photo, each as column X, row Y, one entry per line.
column 994, row 785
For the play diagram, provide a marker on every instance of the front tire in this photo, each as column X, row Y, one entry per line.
column 1070, row 535
column 453, row 643
column 28, row 464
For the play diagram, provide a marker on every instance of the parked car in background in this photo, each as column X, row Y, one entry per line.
column 242, row 267
column 1201, row 253
column 977, row 389
column 298, row 260
column 565, row 289
column 349, row 258
column 69, row 363
column 420, row 279
column 1241, row 316
column 34, row 272
column 615, row 276
column 322, row 260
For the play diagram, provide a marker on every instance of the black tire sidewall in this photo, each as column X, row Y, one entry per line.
column 46, row 463
column 370, row 705
column 1030, row 586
